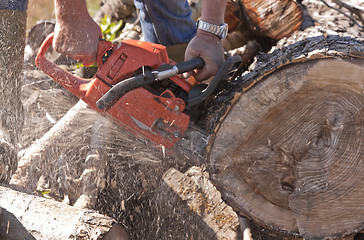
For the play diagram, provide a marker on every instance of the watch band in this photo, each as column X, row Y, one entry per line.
column 219, row 30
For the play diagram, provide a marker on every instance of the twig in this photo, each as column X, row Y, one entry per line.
column 124, row 34
column 245, row 228
column 357, row 11
column 346, row 15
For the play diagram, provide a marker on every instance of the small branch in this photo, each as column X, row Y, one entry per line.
column 346, row 15
column 127, row 31
column 245, row 228
column 357, row 11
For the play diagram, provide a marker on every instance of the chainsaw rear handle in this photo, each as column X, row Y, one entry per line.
column 198, row 94
column 57, row 73
column 146, row 78
column 66, row 79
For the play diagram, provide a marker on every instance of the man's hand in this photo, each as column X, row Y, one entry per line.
column 76, row 34
column 209, row 47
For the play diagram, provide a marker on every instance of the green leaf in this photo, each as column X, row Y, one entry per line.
column 117, row 27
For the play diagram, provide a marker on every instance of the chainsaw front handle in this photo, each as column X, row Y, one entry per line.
column 190, row 65
column 179, row 68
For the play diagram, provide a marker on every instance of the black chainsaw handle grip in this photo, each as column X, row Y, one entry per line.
column 173, row 70
column 199, row 94
column 190, row 65
column 119, row 89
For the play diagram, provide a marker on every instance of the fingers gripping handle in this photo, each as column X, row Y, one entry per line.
column 190, row 65
column 198, row 94
column 187, row 66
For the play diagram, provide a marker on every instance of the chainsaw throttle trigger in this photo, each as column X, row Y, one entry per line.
column 117, row 91
column 198, row 93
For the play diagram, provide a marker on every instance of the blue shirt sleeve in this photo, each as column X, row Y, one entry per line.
column 20, row 5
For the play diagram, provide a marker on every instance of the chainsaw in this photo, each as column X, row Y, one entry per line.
column 139, row 87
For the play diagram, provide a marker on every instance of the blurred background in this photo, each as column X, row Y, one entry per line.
column 44, row 9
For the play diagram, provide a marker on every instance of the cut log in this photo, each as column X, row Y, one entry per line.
column 289, row 154
column 24, row 216
column 69, row 160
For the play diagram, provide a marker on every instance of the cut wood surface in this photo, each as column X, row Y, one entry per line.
column 288, row 153
column 296, row 154
column 24, row 216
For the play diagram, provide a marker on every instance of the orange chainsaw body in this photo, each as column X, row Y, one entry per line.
column 159, row 115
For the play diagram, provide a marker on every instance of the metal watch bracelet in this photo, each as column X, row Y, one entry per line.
column 219, row 30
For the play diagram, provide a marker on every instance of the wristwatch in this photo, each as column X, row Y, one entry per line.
column 219, row 30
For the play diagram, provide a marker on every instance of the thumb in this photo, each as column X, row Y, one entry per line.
column 86, row 60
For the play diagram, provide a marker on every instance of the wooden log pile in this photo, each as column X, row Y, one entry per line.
column 279, row 148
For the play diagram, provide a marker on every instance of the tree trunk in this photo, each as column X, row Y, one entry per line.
column 24, row 216
column 260, row 20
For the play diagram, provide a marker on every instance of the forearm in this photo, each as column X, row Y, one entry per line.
column 208, row 45
column 70, row 10
column 76, row 34
column 213, row 11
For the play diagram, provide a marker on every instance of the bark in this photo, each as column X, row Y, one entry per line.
column 202, row 198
